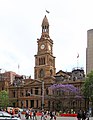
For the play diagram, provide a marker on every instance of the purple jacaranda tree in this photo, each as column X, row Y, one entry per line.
column 64, row 88
column 65, row 94
column 67, row 90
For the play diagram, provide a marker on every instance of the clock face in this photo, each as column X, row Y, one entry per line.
column 42, row 46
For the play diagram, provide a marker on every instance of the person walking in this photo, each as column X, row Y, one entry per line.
column 54, row 115
column 87, row 115
column 79, row 115
column 43, row 115
column 83, row 115
column 34, row 115
column 51, row 115
column 27, row 114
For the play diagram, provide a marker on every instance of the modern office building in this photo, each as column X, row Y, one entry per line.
column 89, row 51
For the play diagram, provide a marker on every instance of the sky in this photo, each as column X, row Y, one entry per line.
column 20, row 26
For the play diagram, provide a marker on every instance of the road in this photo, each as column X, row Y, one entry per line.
column 59, row 118
column 64, row 118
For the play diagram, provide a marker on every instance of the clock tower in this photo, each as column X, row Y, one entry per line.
column 44, row 60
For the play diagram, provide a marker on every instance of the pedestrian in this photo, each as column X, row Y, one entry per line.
column 27, row 114
column 87, row 115
column 83, row 115
column 19, row 114
column 51, row 115
column 79, row 115
column 54, row 115
column 43, row 115
column 34, row 115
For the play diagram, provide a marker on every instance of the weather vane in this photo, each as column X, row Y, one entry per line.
column 47, row 11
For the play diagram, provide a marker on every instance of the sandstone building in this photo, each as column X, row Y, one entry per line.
column 35, row 93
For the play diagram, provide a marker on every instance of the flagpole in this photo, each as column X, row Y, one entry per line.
column 77, row 61
column 18, row 68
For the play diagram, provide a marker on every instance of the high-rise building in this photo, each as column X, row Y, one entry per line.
column 89, row 51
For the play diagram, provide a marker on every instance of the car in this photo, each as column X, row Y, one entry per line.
column 4, row 115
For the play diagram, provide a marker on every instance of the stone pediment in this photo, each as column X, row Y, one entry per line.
column 33, row 83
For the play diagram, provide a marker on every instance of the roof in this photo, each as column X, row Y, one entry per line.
column 45, row 21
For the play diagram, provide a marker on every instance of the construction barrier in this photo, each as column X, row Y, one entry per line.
column 68, row 115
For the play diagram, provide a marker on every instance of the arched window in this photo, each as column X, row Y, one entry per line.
column 42, row 73
column 42, row 61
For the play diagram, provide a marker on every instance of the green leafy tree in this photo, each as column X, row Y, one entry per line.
column 4, row 99
column 87, row 87
column 87, row 90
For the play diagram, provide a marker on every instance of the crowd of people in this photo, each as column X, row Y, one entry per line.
column 43, row 114
column 82, row 115
column 31, row 114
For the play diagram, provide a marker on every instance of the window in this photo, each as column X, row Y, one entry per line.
column 49, row 104
column 26, row 92
column 22, row 94
column 31, row 103
column 42, row 61
column 47, row 91
column 13, row 93
column 27, row 103
column 36, row 91
column 42, row 73
column 31, row 91
column 37, row 103
column 22, row 103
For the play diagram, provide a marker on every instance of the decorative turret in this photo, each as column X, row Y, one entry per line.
column 45, row 25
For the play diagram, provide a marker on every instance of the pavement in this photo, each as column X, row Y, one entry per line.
column 59, row 118
column 70, row 118
column 65, row 118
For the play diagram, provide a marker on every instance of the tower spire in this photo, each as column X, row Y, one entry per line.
column 45, row 26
